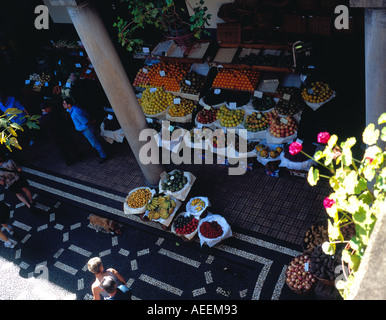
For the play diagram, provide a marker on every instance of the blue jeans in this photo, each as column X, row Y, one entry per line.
column 89, row 133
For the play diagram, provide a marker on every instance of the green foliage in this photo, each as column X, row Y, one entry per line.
column 358, row 194
column 163, row 15
column 8, row 134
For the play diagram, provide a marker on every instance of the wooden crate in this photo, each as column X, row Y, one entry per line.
column 229, row 33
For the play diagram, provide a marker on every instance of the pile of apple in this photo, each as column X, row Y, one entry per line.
column 206, row 116
column 141, row 79
column 281, row 127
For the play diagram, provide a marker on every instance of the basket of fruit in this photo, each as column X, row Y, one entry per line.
column 180, row 110
column 137, row 199
column 230, row 118
column 162, row 209
column 317, row 94
column 322, row 266
column 176, row 183
column 185, row 225
column 281, row 129
column 297, row 276
column 213, row 229
column 206, row 117
column 197, row 205
column 155, row 102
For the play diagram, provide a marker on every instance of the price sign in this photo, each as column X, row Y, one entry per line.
column 144, row 70
column 88, row 71
column 46, row 84
column 153, row 89
column 68, row 84
column 188, row 82
column 171, row 128
column 37, row 83
column 81, row 54
column 232, row 105
column 258, row 94
column 206, row 107
column 162, row 73
column 78, row 65
column 286, row 96
column 217, row 91
column 109, row 117
column 177, row 100
column 27, row 82
column 299, row 141
column 306, row 266
column 199, row 125
column 258, row 116
column 145, row 50
column 283, row 120
column 149, row 120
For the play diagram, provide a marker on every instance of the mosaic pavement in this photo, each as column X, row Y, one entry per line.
column 57, row 242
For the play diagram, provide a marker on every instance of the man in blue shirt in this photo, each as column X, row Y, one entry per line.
column 81, row 121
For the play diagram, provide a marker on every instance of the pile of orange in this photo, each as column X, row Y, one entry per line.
column 168, row 74
column 237, row 79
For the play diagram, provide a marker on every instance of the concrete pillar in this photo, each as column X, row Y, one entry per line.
column 114, row 80
column 375, row 61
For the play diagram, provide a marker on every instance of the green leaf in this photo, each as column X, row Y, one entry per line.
column 370, row 135
column 313, row 176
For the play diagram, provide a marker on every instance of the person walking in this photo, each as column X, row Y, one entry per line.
column 4, row 216
column 95, row 266
column 115, row 292
column 54, row 127
column 10, row 176
column 82, row 123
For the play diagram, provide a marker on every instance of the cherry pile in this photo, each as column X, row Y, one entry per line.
column 211, row 230
column 207, row 116
column 185, row 224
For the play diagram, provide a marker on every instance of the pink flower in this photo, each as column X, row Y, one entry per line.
column 323, row 137
column 328, row 203
column 295, row 148
column 370, row 159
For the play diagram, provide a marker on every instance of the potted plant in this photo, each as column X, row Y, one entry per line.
column 358, row 193
column 167, row 16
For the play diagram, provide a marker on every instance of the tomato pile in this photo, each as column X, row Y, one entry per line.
column 211, row 230
column 236, row 79
column 185, row 224
column 168, row 74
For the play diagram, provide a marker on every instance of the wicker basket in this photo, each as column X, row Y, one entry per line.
column 321, row 25
column 301, row 292
column 294, row 23
column 229, row 33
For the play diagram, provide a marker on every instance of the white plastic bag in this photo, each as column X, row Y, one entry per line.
column 188, row 236
column 227, row 232
column 129, row 210
column 183, row 193
column 191, row 210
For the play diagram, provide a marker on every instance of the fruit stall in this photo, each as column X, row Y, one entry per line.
column 252, row 87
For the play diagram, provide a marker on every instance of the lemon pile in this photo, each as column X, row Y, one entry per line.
column 182, row 109
column 230, row 118
column 154, row 102
column 256, row 121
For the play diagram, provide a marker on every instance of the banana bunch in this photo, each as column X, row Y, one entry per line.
column 198, row 204
column 160, row 207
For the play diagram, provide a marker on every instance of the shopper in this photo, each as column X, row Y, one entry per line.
column 51, row 123
column 115, row 292
column 95, row 266
column 4, row 217
column 82, row 123
column 10, row 176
